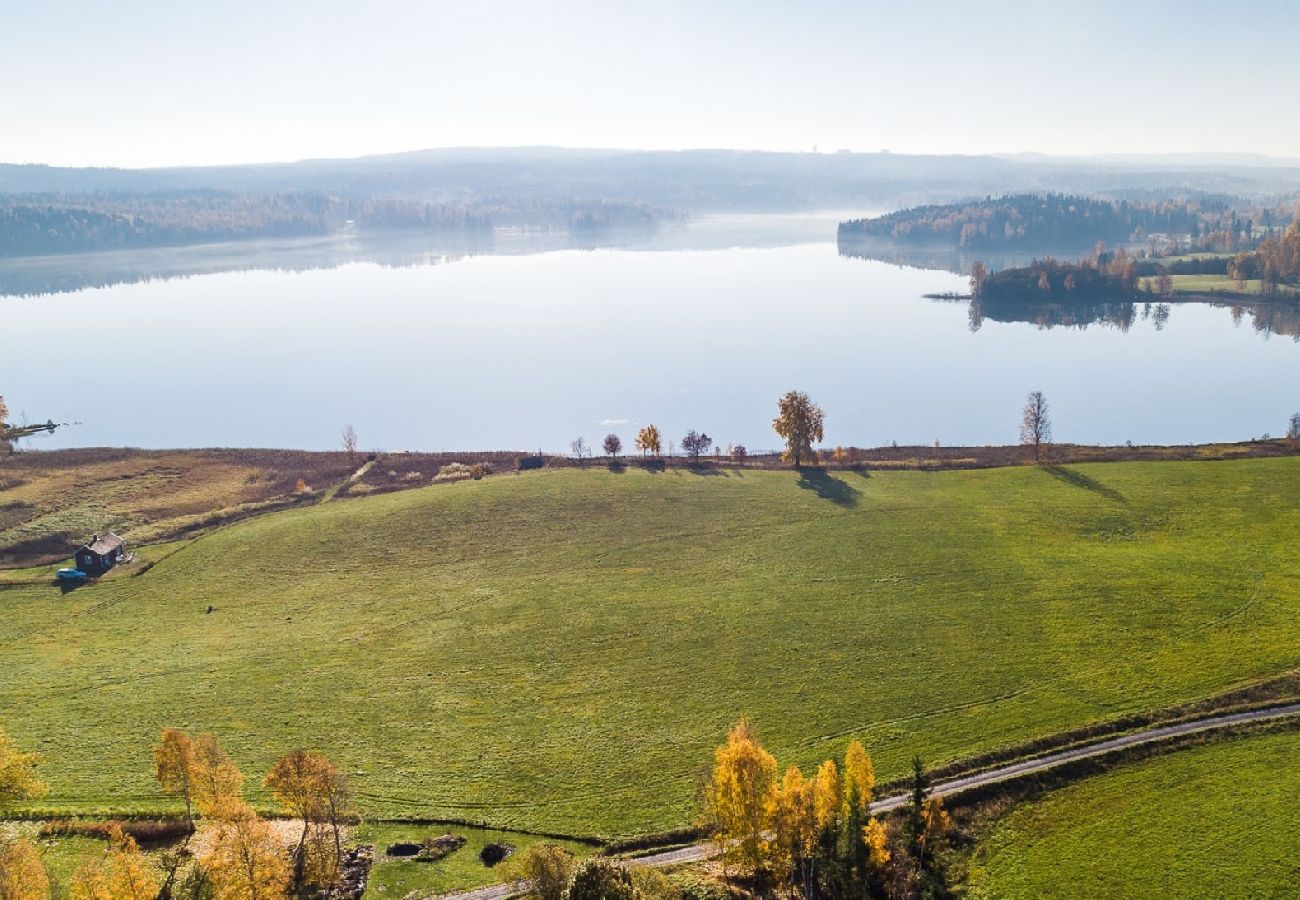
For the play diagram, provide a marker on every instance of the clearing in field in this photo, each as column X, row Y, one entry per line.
column 562, row 650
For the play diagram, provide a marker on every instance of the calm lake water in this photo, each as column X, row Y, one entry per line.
column 529, row 341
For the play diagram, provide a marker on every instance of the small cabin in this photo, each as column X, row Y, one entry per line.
column 101, row 554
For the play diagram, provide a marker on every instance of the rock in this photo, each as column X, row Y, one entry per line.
column 434, row 849
column 353, row 874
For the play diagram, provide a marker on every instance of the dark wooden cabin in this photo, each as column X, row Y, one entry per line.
column 101, row 554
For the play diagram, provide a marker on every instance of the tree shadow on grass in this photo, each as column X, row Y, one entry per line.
column 1080, row 480
column 841, row 493
column 705, row 469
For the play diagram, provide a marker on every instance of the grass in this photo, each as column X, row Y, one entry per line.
column 462, row 870
column 50, row 503
column 1214, row 821
column 561, row 651
column 1222, row 284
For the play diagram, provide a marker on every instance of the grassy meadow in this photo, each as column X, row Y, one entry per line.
column 1214, row 821
column 561, row 650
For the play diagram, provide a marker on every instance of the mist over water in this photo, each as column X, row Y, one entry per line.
column 527, row 343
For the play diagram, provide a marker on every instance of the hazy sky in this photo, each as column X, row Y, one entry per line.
column 160, row 82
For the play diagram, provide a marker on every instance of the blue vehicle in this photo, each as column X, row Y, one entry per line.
column 70, row 576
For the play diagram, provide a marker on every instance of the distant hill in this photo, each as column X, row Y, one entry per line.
column 1032, row 220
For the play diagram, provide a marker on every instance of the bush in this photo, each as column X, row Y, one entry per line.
column 693, row 887
column 530, row 462
column 651, row 884
column 600, row 879
column 547, row 866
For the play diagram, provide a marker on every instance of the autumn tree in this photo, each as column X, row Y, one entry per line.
column 176, row 767
column 600, row 879
column 1036, row 424
column 349, row 440
column 216, row 783
column 312, row 789
column 799, row 423
column 22, row 877
column 740, row 797
column 926, row 830
column 857, row 782
column 612, row 445
column 18, row 778
column 739, row 453
column 696, row 443
column 244, row 860
column 794, row 828
column 648, row 440
column 123, row 873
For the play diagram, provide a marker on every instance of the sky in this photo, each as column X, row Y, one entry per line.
column 156, row 82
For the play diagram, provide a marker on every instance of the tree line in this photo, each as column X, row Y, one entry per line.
column 242, row 857
column 815, row 835
column 1028, row 221
column 68, row 223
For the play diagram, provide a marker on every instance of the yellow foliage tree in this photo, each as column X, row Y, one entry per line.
column 795, row 825
column 22, row 877
column 937, row 822
column 648, row 440
column 123, row 873
column 175, row 766
column 244, row 860
column 877, row 841
column 826, row 795
column 859, row 779
column 741, row 797
column 18, row 778
column 216, row 782
column 311, row 788
column 799, row 422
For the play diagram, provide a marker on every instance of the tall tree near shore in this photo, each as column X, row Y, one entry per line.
column 612, row 445
column 696, row 443
column 1036, row 424
column 979, row 274
column 648, row 440
column 741, row 794
column 349, row 440
column 799, row 423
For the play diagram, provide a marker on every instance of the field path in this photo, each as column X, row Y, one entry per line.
column 1009, row 772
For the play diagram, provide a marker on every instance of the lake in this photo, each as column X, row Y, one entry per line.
column 527, row 341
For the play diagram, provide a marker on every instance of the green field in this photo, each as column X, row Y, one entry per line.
column 561, row 650
column 1215, row 821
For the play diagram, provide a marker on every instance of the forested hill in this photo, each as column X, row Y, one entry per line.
column 1028, row 221
column 57, row 223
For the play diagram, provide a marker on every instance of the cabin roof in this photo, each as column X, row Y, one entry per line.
column 104, row 543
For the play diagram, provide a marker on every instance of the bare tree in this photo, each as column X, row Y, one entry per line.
column 1036, row 425
column 612, row 445
column 349, row 441
column 1293, row 428
column 580, row 450
column 979, row 273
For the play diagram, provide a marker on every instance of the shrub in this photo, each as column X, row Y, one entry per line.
column 530, row 462
column 651, row 884
column 546, row 866
column 600, row 879
column 695, row 887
